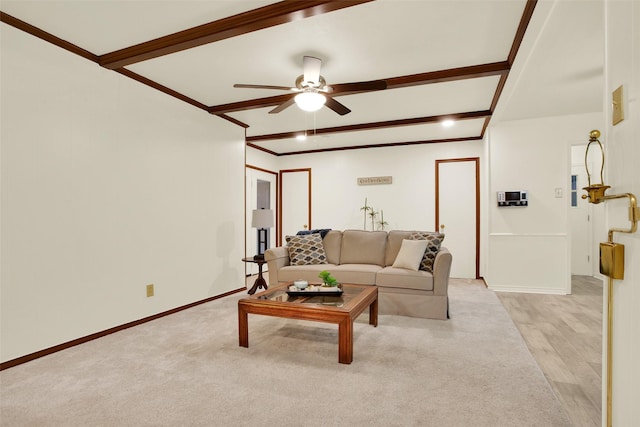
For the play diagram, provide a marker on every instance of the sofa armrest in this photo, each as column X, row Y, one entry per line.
column 276, row 259
column 441, row 271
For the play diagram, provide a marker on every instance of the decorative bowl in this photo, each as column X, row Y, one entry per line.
column 300, row 284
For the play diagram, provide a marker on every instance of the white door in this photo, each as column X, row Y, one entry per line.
column 295, row 187
column 457, row 213
column 580, row 223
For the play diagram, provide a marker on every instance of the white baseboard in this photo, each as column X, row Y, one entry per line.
column 528, row 290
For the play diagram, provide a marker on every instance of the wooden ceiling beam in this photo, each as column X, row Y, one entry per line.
column 251, row 104
column 41, row 34
column 242, row 23
column 449, row 75
column 161, row 88
column 527, row 14
column 374, row 125
column 232, row 120
column 442, row 76
column 257, row 147
column 383, row 145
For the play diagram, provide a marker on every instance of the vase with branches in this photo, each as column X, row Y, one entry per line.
column 373, row 214
column 382, row 222
column 366, row 210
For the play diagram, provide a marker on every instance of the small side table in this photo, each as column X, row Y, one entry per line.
column 260, row 282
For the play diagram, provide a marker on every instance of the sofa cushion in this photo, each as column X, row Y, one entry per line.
column 391, row 277
column 332, row 242
column 306, row 250
column 410, row 255
column 360, row 274
column 434, row 241
column 363, row 247
column 303, row 272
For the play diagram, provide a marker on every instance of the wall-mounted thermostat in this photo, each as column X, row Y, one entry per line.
column 512, row 198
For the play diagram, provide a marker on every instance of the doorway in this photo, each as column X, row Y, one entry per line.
column 580, row 216
column 260, row 192
column 263, row 201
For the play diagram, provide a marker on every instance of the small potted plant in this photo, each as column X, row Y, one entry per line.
column 327, row 279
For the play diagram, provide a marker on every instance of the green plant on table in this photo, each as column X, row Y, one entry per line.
column 327, row 278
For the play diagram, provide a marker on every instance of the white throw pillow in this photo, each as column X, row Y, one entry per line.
column 410, row 255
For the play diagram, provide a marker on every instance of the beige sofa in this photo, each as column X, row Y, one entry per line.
column 367, row 257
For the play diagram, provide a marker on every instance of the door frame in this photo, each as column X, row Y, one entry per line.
column 476, row 160
column 248, row 166
column 590, row 222
column 280, row 193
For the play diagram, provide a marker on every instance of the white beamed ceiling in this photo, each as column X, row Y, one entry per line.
column 559, row 65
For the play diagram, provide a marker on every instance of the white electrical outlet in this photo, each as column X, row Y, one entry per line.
column 558, row 192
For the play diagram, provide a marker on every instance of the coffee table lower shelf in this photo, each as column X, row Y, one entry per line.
column 274, row 302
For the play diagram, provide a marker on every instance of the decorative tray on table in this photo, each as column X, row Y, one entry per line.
column 313, row 290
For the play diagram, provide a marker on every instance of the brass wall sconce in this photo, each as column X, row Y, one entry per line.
column 611, row 254
column 595, row 192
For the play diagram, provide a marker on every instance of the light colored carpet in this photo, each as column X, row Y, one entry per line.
column 188, row 370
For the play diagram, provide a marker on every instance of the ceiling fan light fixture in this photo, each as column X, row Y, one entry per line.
column 310, row 101
column 448, row 123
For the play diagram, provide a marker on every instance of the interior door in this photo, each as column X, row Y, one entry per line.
column 458, row 213
column 295, row 201
column 579, row 219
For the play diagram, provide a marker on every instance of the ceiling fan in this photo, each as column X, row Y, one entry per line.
column 312, row 92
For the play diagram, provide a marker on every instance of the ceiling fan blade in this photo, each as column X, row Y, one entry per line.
column 358, row 86
column 262, row 87
column 311, row 69
column 283, row 106
column 336, row 106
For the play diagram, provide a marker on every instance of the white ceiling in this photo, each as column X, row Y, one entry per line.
column 558, row 69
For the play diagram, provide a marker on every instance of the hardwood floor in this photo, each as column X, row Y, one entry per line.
column 564, row 334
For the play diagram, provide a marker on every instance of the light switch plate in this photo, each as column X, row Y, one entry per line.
column 618, row 107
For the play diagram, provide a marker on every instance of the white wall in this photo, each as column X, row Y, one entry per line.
column 408, row 203
column 529, row 247
column 522, row 249
column 107, row 186
column 263, row 160
column 622, row 142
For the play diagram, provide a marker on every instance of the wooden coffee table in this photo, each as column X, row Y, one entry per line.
column 342, row 310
